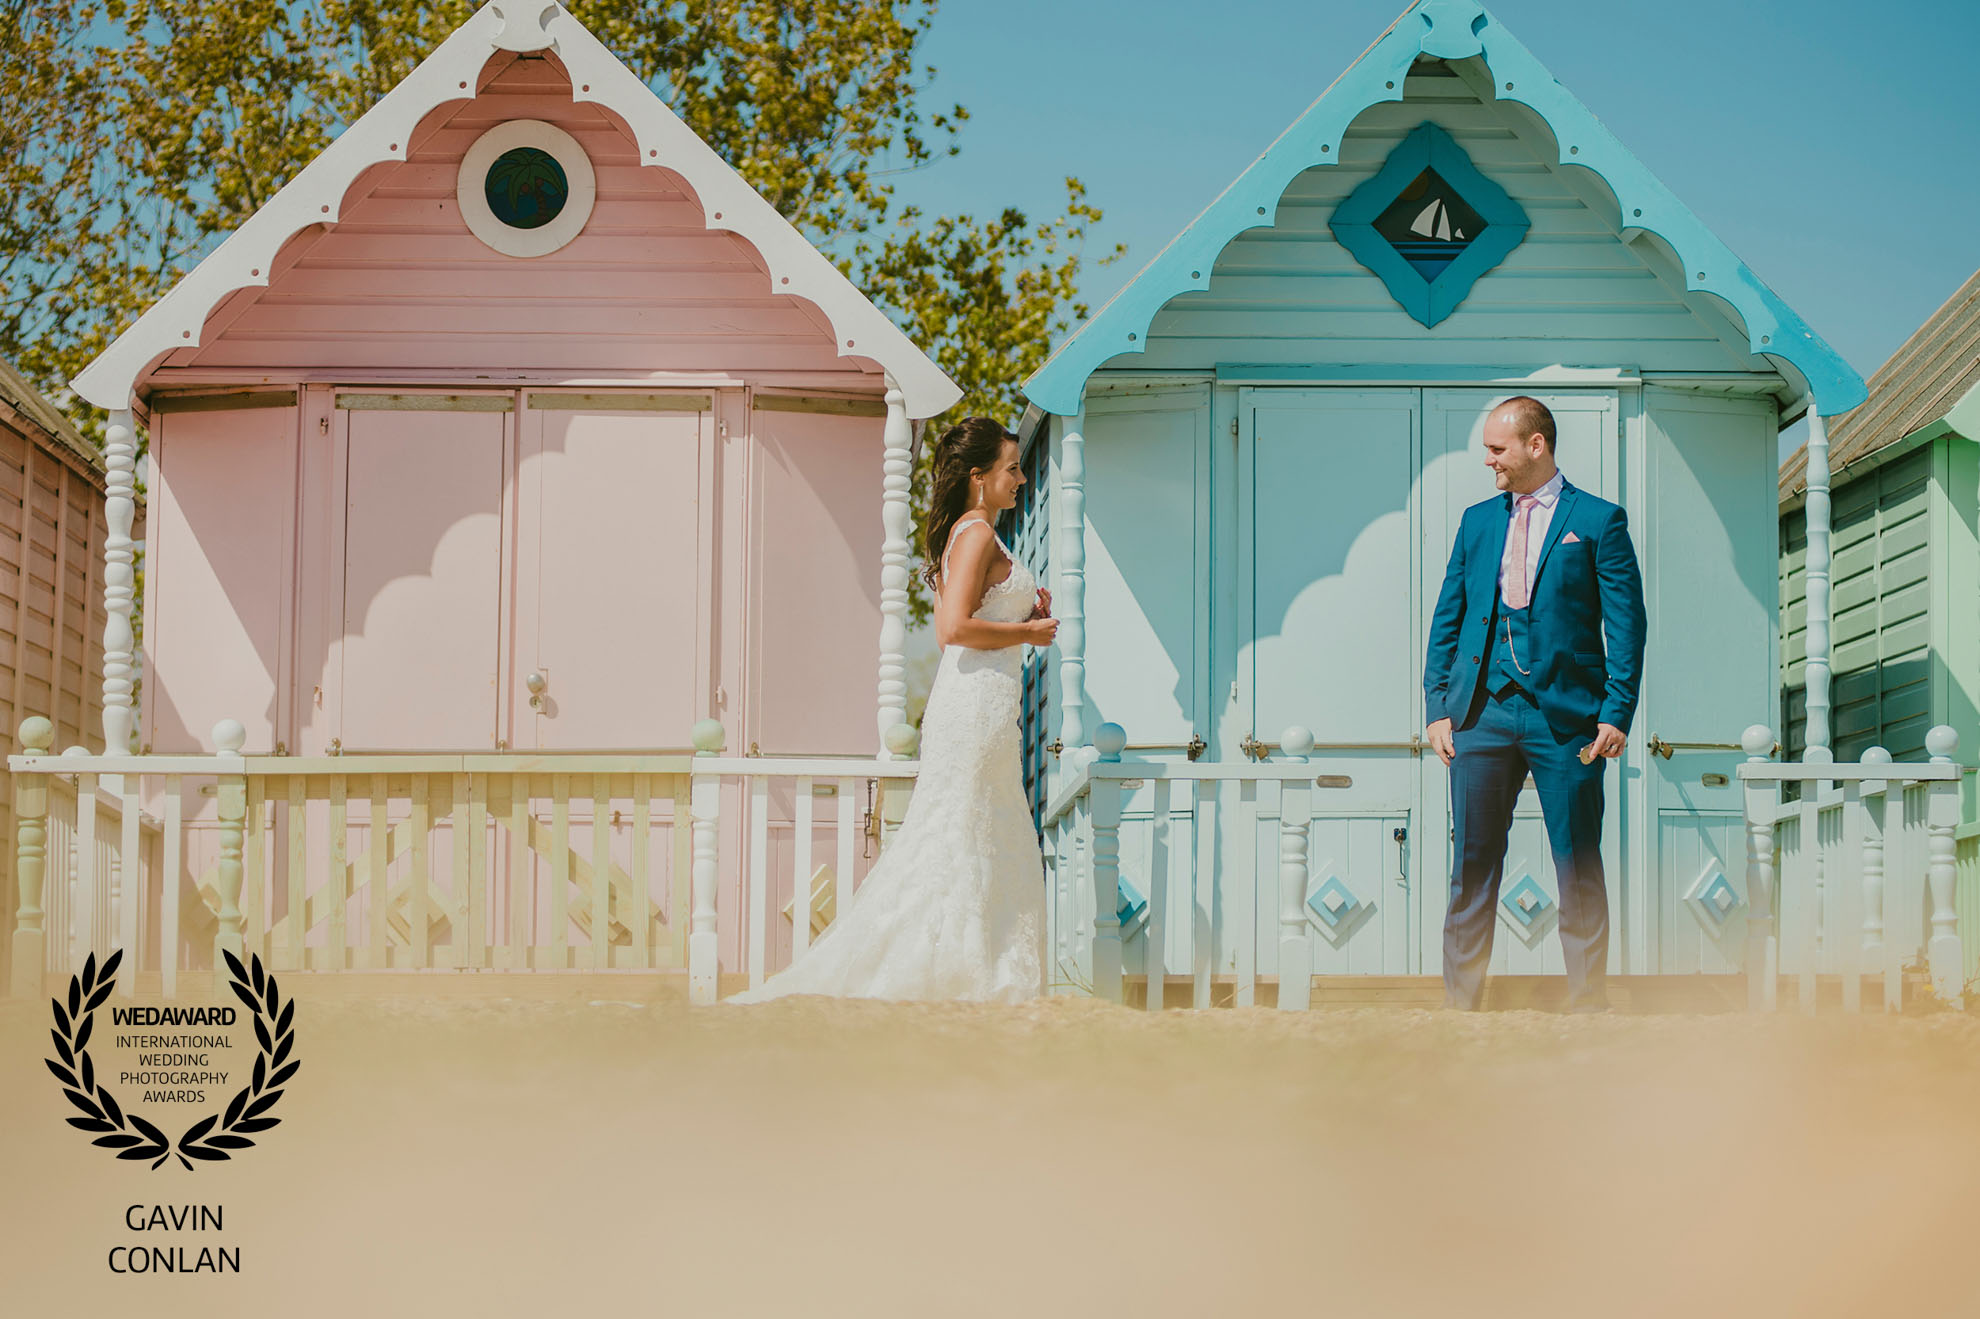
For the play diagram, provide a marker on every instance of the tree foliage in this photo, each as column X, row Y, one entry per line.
column 139, row 133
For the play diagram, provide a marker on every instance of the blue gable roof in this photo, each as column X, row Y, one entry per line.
column 1448, row 30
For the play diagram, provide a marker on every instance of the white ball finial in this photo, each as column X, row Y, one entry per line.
column 229, row 736
column 72, row 752
column 1876, row 756
column 903, row 740
column 1757, row 740
column 708, row 737
column 1296, row 741
column 37, row 735
column 1083, row 757
column 1110, row 740
column 1942, row 742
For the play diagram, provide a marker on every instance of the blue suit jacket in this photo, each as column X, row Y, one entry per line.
column 1583, row 589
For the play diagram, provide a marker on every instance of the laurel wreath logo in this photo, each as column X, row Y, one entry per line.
column 130, row 1135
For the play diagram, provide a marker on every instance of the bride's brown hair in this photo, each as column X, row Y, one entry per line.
column 972, row 444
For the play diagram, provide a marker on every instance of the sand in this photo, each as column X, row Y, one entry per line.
column 481, row 1157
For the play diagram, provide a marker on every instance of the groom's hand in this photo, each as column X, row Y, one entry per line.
column 1609, row 741
column 1440, row 739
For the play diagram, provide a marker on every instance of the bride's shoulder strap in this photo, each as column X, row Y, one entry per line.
column 950, row 547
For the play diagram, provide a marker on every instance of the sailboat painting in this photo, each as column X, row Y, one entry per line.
column 1429, row 224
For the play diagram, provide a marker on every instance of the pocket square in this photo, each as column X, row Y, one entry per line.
column 1570, row 539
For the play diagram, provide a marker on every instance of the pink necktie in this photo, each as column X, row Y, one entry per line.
column 1516, row 589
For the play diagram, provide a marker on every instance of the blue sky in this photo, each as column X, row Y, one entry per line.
column 1834, row 146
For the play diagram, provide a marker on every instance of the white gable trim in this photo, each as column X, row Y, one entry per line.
column 315, row 196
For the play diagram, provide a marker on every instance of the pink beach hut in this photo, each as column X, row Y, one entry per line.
column 512, row 446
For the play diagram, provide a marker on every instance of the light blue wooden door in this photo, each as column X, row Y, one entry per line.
column 1454, row 477
column 1711, row 584
column 1327, row 577
column 1147, row 564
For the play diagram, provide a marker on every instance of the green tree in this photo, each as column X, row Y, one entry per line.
column 158, row 126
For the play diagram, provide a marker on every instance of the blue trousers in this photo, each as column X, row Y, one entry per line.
column 1506, row 739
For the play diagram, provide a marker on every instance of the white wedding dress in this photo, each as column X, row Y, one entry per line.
column 955, row 906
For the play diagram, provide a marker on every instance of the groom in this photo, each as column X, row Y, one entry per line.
column 1518, row 680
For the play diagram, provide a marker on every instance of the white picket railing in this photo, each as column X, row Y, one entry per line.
column 428, row 862
column 1865, row 876
column 1184, row 868
column 89, row 860
column 763, row 780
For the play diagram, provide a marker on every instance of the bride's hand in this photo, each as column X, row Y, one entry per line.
column 1041, row 631
column 1043, row 609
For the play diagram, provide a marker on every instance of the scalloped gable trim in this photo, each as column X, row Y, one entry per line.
column 1448, row 30
column 316, row 194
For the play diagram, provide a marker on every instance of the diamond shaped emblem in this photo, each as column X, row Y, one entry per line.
column 1333, row 902
column 1528, row 910
column 1335, row 910
column 1527, row 901
column 1429, row 224
column 1713, row 900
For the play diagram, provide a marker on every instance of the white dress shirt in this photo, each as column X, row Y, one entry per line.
column 1538, row 518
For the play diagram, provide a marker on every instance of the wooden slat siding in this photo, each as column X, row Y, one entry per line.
column 400, row 279
column 846, row 840
column 294, row 958
column 1881, row 595
column 1930, row 372
column 1240, row 922
column 759, row 875
column 522, row 873
column 172, row 876
column 601, row 872
column 417, row 917
column 254, row 871
column 378, row 904
column 473, row 905
column 801, row 869
column 679, row 880
column 57, row 614
column 560, row 870
column 131, row 887
column 1572, row 291
column 1203, row 928
column 1161, row 889
column 87, row 905
column 639, row 903
column 337, row 880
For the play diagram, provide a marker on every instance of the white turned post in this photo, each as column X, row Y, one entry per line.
column 896, row 523
column 37, row 736
column 903, row 742
column 705, row 805
column 1762, row 945
column 1876, row 816
column 1942, row 824
column 119, row 594
column 1295, row 813
column 231, row 795
column 1109, row 740
column 1816, row 737
column 1070, row 602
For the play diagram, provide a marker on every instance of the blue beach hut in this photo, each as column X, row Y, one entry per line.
column 1248, row 469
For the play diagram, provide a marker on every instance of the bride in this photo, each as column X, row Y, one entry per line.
column 955, row 907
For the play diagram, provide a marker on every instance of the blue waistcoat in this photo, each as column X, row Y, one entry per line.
column 1583, row 632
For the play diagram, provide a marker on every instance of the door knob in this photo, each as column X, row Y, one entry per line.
column 536, row 682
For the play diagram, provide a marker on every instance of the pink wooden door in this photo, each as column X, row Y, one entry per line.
column 420, row 641
column 611, row 570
